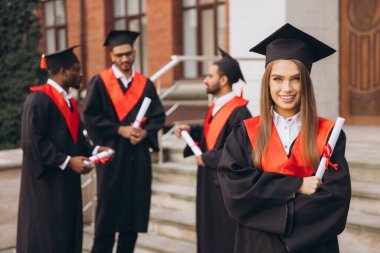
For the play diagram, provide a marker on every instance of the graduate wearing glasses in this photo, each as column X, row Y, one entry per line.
column 124, row 185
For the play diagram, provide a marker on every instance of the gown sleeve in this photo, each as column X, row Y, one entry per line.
column 38, row 149
column 256, row 199
column 322, row 216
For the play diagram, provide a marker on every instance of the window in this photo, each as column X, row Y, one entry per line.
column 55, row 28
column 130, row 15
column 204, row 30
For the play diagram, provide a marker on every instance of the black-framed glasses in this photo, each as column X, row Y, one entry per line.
column 126, row 54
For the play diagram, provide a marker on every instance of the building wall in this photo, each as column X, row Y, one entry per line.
column 162, row 33
column 162, row 39
column 320, row 18
column 96, row 32
column 252, row 21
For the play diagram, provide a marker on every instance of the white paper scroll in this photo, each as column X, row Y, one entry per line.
column 140, row 115
column 332, row 141
column 104, row 154
column 196, row 150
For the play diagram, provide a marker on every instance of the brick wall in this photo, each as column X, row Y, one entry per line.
column 162, row 21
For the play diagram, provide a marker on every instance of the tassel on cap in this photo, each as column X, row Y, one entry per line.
column 43, row 64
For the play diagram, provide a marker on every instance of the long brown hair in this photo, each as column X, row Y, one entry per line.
column 309, row 118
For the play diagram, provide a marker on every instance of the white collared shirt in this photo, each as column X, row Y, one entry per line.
column 65, row 95
column 221, row 101
column 122, row 77
column 287, row 129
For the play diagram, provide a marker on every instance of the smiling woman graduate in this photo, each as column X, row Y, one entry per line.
column 266, row 171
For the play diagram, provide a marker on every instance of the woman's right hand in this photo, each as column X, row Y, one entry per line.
column 310, row 185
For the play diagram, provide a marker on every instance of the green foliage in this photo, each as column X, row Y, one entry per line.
column 19, row 64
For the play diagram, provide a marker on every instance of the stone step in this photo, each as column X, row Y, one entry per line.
column 193, row 103
column 173, row 197
column 185, row 111
column 188, row 90
column 365, row 172
column 175, row 173
column 88, row 241
column 362, row 230
column 365, row 197
column 164, row 222
column 174, row 224
column 10, row 250
column 346, row 247
column 173, row 150
column 363, row 153
column 146, row 243
column 162, row 244
column 10, row 159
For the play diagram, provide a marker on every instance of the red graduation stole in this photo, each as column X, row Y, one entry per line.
column 71, row 117
column 275, row 159
column 212, row 130
column 123, row 103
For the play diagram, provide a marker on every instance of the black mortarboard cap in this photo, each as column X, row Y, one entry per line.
column 61, row 59
column 230, row 67
column 288, row 43
column 116, row 38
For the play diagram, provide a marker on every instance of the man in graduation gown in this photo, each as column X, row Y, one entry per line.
column 215, row 228
column 124, row 185
column 272, row 211
column 54, row 151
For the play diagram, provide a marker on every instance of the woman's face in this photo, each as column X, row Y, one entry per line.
column 285, row 87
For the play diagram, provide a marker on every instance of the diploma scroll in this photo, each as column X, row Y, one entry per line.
column 196, row 150
column 140, row 115
column 98, row 157
column 331, row 145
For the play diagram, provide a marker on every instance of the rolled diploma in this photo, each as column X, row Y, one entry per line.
column 332, row 141
column 140, row 115
column 191, row 143
column 101, row 155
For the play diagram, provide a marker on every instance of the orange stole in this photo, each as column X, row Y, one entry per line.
column 212, row 130
column 123, row 103
column 275, row 158
column 71, row 117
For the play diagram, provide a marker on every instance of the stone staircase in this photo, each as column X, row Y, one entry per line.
column 362, row 233
column 191, row 98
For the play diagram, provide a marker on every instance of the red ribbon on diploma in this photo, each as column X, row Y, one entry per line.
column 142, row 121
column 327, row 154
column 101, row 160
column 197, row 144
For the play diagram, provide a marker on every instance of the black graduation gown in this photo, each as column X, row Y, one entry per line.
column 215, row 228
column 124, row 184
column 271, row 216
column 50, row 207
